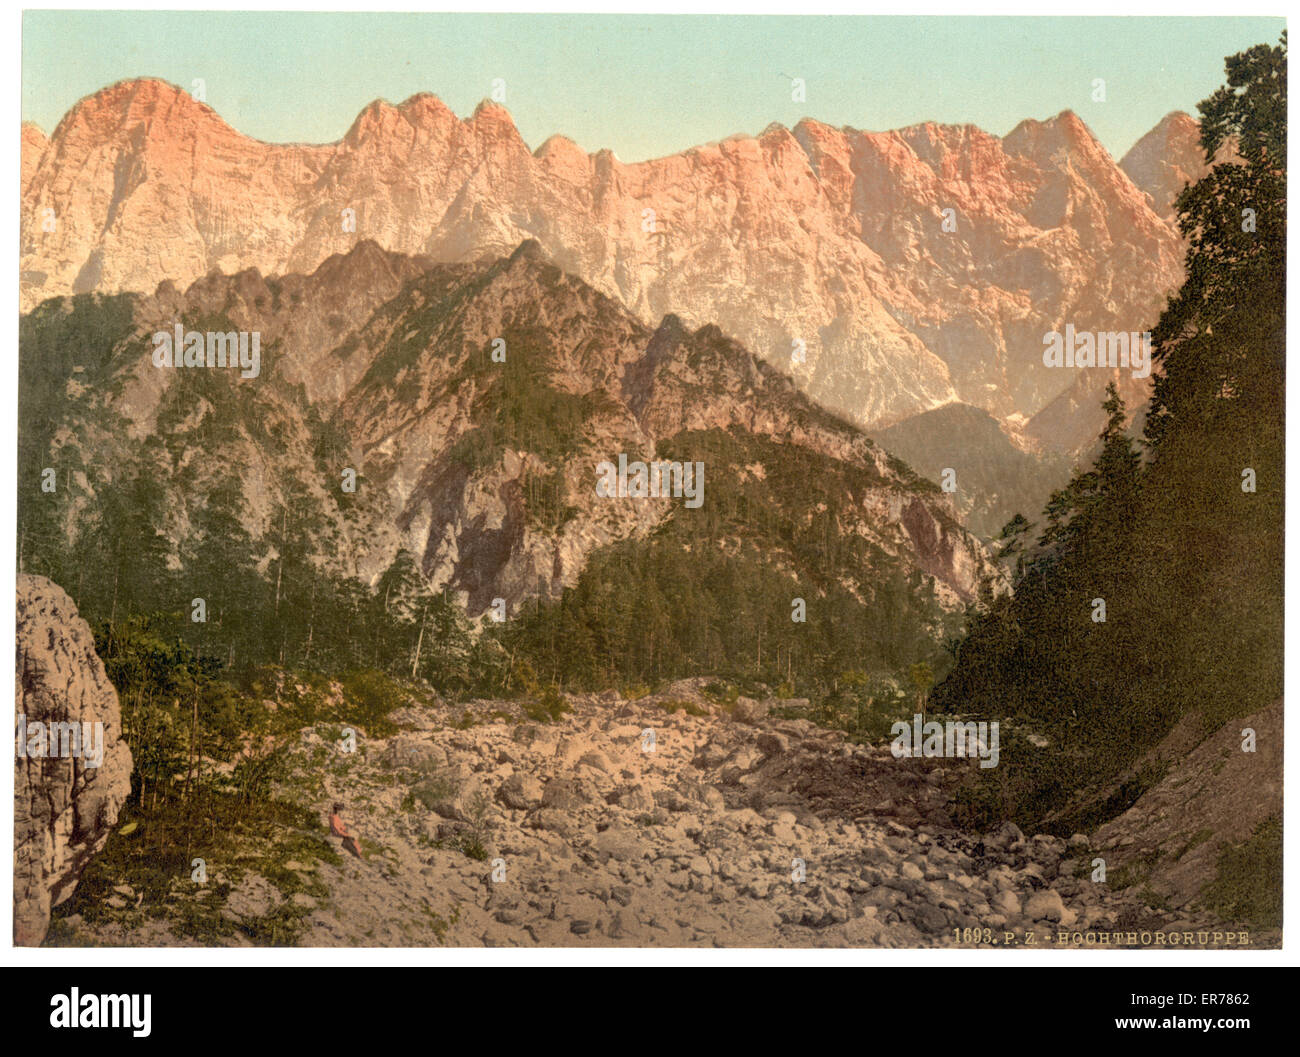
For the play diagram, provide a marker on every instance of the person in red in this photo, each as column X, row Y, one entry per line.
column 338, row 829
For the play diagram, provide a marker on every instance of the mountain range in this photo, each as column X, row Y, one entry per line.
column 890, row 273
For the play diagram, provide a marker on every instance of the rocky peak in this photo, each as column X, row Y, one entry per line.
column 163, row 110
column 530, row 250
column 374, row 118
column 422, row 117
column 1165, row 159
column 645, row 387
column 561, row 152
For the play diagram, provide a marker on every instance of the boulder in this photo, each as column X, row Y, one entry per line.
column 911, row 871
column 1048, row 906
column 564, row 794
column 466, row 798
column 637, row 799
column 520, row 791
column 747, row 710
column 620, row 843
column 407, row 752
column 597, row 761
column 1007, row 903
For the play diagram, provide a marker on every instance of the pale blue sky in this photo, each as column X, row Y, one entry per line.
column 644, row 86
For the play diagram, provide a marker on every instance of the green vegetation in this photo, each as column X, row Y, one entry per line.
column 1135, row 873
column 210, row 749
column 1248, row 884
column 544, row 501
column 1195, row 841
column 429, row 793
column 674, row 705
column 236, row 835
column 547, row 706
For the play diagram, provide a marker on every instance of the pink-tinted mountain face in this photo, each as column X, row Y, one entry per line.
column 888, row 272
column 1167, row 158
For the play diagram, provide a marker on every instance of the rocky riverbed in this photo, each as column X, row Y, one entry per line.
column 669, row 820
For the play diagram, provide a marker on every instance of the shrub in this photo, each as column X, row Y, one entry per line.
column 674, row 704
column 369, row 698
column 547, row 707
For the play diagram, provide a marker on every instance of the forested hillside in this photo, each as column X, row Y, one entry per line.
column 1153, row 589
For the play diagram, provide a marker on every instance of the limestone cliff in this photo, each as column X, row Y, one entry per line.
column 66, row 796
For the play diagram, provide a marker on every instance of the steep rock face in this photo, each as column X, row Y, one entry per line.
column 892, row 272
column 34, row 143
column 63, row 806
column 1165, row 159
column 146, row 183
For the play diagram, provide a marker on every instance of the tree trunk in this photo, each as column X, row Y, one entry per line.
column 279, row 568
column 194, row 732
column 415, row 665
column 311, row 625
